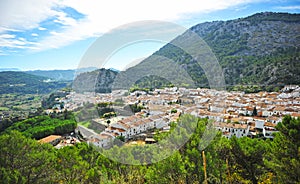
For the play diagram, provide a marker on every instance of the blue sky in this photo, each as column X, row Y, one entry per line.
column 55, row 34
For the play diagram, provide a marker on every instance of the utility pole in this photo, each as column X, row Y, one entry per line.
column 204, row 167
column 228, row 171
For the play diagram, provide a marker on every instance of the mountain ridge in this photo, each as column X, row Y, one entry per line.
column 262, row 49
column 61, row 75
column 258, row 52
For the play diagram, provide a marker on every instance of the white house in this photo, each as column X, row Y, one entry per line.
column 103, row 140
column 269, row 129
column 230, row 129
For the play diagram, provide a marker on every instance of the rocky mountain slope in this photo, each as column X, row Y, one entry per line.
column 262, row 49
column 259, row 52
column 99, row 81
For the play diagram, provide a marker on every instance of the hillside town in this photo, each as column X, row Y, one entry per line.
column 233, row 113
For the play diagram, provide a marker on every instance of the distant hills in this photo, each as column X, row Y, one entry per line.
column 24, row 83
column 58, row 75
column 61, row 75
column 9, row 69
column 46, row 81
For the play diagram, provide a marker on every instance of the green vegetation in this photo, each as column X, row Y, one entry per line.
column 104, row 104
column 99, row 81
column 84, row 123
column 271, row 16
column 134, row 108
column 254, row 112
column 4, row 108
column 90, row 111
column 265, row 57
column 50, row 101
column 109, row 115
column 149, row 83
column 174, row 111
column 136, row 87
column 256, row 53
column 244, row 160
column 121, row 138
column 119, row 102
column 17, row 107
column 42, row 126
column 23, row 83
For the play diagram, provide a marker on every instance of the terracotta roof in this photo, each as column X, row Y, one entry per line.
column 273, row 118
column 279, row 108
column 270, row 124
column 295, row 114
column 103, row 136
column 231, row 125
column 49, row 138
column 94, row 140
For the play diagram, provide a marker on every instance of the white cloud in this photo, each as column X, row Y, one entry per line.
column 22, row 39
column 12, row 42
column 241, row 8
column 288, row 7
column 100, row 16
column 5, row 29
column 7, row 36
column 63, row 19
column 42, row 28
column 103, row 16
column 34, row 34
column 25, row 14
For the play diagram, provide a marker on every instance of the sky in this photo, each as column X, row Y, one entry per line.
column 55, row 34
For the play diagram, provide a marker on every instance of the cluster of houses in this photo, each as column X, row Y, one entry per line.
column 234, row 113
column 132, row 126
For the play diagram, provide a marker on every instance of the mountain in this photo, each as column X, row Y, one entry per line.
column 61, row 75
column 58, row 75
column 9, row 69
column 99, row 81
column 115, row 70
column 260, row 50
column 24, row 83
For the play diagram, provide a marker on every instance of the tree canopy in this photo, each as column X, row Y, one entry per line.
column 243, row 160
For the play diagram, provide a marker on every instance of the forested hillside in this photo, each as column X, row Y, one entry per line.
column 259, row 52
column 262, row 50
column 244, row 160
column 23, row 83
column 99, row 81
column 43, row 126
